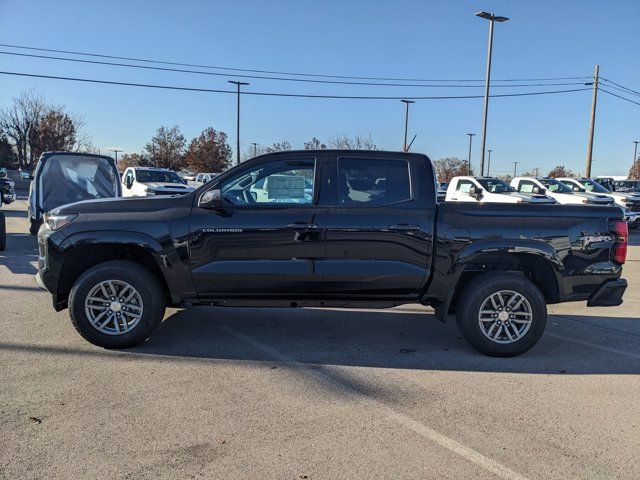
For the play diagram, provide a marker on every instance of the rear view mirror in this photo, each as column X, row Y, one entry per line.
column 475, row 192
column 211, row 200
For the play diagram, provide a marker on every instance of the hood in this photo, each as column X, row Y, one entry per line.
column 526, row 198
column 599, row 198
column 164, row 186
column 632, row 196
column 123, row 205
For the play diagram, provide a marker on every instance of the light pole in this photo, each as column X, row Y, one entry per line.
column 492, row 18
column 116, row 150
column 635, row 152
column 515, row 169
column 406, row 121
column 238, row 84
column 471, row 135
column 255, row 149
column 489, row 163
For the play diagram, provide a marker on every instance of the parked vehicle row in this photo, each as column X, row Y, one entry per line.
column 331, row 228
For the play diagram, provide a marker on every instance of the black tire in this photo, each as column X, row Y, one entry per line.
column 34, row 226
column 480, row 289
column 141, row 279
column 3, row 232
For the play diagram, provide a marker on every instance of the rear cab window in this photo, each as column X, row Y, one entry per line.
column 363, row 181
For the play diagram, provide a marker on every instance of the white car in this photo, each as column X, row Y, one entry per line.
column 558, row 191
column 149, row 181
column 630, row 202
column 489, row 189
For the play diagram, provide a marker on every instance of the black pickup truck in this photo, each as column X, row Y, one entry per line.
column 329, row 228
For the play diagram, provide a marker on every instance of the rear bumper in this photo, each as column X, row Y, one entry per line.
column 608, row 294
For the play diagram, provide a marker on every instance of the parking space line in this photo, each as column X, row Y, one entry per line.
column 421, row 429
column 594, row 345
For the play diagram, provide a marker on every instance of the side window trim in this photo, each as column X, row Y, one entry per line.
column 335, row 197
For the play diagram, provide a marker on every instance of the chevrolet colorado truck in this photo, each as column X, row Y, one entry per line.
column 329, row 228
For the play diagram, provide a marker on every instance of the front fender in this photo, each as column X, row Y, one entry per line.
column 170, row 256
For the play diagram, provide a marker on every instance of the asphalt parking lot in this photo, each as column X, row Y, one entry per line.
column 309, row 393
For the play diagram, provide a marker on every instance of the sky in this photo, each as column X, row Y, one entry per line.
column 381, row 38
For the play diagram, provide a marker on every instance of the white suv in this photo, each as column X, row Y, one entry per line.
column 558, row 191
column 148, row 181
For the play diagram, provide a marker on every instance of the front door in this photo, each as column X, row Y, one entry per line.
column 379, row 226
column 267, row 240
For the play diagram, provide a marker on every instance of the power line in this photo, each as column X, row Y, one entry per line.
column 279, row 94
column 353, row 77
column 262, row 77
column 619, row 96
column 622, row 90
column 621, row 86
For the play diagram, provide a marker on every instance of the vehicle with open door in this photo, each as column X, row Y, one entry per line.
column 69, row 177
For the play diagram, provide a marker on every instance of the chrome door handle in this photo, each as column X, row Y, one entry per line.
column 403, row 227
column 302, row 226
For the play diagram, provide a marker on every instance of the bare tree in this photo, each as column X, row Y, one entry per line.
column 19, row 120
column 283, row 146
column 359, row 142
column 449, row 167
column 314, row 144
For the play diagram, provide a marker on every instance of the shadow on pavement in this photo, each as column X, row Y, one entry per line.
column 387, row 339
column 14, row 213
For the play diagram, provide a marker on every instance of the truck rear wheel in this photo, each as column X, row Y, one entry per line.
column 3, row 232
column 502, row 315
column 116, row 304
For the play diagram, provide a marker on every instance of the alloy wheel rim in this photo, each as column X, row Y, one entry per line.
column 505, row 316
column 113, row 307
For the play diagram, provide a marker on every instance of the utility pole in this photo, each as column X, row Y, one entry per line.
column 115, row 150
column 471, row 135
column 592, row 126
column 515, row 169
column 492, row 19
column 238, row 84
column 537, row 169
column 255, row 149
column 635, row 152
column 489, row 163
column 406, row 122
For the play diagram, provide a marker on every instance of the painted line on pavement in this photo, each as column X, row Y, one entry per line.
column 404, row 420
column 594, row 345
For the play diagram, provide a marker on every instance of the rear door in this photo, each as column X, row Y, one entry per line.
column 267, row 241
column 379, row 225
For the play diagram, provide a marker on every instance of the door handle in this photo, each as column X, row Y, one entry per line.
column 403, row 227
column 302, row 226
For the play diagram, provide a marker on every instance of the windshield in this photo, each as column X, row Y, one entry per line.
column 555, row 186
column 158, row 176
column 494, row 185
column 592, row 186
column 73, row 178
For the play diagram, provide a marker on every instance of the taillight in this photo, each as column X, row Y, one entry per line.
column 621, row 231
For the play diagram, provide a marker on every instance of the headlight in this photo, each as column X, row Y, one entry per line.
column 56, row 222
column 149, row 191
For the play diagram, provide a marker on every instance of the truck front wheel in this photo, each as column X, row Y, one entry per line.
column 116, row 304
column 501, row 315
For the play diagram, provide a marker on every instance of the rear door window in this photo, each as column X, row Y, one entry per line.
column 372, row 181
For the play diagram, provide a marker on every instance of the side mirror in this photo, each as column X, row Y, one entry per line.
column 211, row 200
column 539, row 191
column 475, row 192
column 128, row 182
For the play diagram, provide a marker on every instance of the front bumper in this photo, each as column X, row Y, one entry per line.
column 608, row 294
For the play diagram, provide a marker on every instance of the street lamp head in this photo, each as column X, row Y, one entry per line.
column 407, row 101
column 235, row 82
column 471, row 134
column 491, row 16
